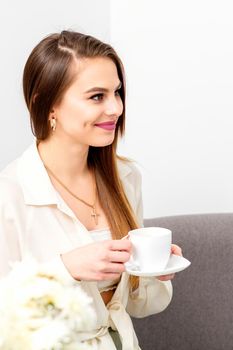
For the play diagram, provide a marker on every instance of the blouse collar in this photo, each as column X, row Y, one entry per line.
column 35, row 182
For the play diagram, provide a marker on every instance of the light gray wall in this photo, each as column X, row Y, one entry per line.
column 22, row 25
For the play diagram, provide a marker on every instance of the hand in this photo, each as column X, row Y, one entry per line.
column 175, row 249
column 98, row 261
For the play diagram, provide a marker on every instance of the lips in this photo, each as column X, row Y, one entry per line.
column 106, row 125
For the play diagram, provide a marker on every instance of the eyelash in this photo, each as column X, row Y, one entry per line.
column 102, row 95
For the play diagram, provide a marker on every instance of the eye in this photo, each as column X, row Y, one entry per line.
column 97, row 97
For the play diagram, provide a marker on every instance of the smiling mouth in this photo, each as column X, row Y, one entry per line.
column 106, row 125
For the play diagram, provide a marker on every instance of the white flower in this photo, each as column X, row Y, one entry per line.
column 51, row 334
column 42, row 309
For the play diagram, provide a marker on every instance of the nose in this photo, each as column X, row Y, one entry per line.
column 114, row 106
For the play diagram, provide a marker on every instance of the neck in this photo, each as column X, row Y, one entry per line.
column 64, row 158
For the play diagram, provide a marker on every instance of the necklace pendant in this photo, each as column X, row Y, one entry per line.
column 95, row 215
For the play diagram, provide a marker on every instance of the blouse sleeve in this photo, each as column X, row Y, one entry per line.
column 139, row 203
column 133, row 189
column 13, row 230
column 9, row 241
column 151, row 297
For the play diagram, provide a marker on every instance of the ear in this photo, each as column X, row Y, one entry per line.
column 52, row 114
column 34, row 97
column 52, row 120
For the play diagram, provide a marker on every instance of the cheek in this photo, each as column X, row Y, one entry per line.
column 86, row 114
column 77, row 116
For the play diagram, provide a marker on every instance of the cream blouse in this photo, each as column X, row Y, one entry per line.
column 34, row 218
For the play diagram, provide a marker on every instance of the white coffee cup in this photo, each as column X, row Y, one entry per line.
column 151, row 248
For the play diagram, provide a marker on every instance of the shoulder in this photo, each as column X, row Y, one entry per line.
column 128, row 170
column 130, row 177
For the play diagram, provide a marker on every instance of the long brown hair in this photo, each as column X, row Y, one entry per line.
column 47, row 75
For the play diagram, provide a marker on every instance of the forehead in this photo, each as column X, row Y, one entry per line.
column 98, row 71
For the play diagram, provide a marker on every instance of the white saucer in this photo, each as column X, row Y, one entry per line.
column 176, row 263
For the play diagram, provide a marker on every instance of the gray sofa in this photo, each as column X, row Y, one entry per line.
column 200, row 316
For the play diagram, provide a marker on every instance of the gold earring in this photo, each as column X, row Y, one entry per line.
column 53, row 123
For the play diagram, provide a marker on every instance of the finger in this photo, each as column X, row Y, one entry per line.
column 108, row 276
column 119, row 256
column 175, row 249
column 164, row 278
column 116, row 268
column 118, row 244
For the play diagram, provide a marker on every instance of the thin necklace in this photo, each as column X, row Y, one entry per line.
column 94, row 214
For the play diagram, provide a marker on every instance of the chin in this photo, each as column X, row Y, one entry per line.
column 103, row 143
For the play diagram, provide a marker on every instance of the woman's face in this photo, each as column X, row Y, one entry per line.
column 90, row 108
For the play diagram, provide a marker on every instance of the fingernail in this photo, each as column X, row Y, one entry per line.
column 125, row 237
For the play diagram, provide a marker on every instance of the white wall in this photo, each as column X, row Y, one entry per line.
column 178, row 57
column 22, row 25
column 179, row 62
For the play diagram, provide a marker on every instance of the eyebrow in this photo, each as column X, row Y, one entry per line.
column 101, row 89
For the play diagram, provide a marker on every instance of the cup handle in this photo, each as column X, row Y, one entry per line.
column 132, row 265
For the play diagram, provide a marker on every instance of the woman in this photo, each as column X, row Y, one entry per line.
column 69, row 199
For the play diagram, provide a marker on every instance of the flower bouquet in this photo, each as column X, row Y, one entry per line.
column 42, row 308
